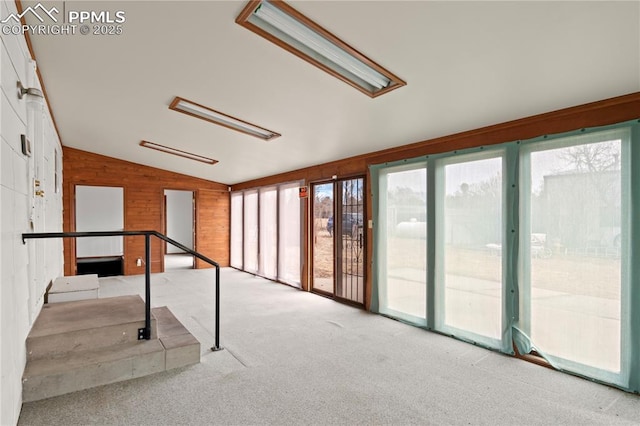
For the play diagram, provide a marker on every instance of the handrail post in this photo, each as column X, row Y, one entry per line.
column 146, row 332
column 217, row 345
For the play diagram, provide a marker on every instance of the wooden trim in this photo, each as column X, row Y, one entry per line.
column 178, row 152
column 69, row 225
column 532, row 357
column 247, row 11
column 243, row 20
column 174, row 106
column 600, row 113
column 305, row 208
column 164, row 225
column 194, row 227
column 609, row 111
column 368, row 233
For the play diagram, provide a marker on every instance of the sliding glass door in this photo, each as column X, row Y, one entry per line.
column 349, row 237
column 338, row 241
column 323, row 242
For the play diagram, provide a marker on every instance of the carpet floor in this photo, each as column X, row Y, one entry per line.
column 292, row 357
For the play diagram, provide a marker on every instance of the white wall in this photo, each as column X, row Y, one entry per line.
column 99, row 208
column 25, row 269
column 179, row 218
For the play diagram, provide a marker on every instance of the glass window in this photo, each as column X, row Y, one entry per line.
column 289, row 233
column 236, row 229
column 402, row 242
column 571, row 245
column 268, row 259
column 324, row 228
column 523, row 246
column 469, row 245
column 251, row 231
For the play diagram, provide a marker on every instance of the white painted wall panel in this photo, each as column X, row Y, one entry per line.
column 6, row 174
column 24, row 276
column 9, row 78
column 21, row 183
column 6, row 223
column 99, row 208
column 12, row 125
column 2, row 249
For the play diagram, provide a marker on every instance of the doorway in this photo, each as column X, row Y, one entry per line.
column 338, row 243
column 179, row 225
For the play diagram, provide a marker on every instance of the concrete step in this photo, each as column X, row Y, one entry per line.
column 75, row 287
column 181, row 347
column 87, row 325
column 73, row 371
column 79, row 345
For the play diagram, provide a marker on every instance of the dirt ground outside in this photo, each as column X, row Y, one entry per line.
column 567, row 273
column 322, row 250
column 352, row 262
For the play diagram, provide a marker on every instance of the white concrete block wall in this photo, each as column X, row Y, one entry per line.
column 25, row 270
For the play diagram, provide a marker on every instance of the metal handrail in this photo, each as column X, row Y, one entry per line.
column 144, row 333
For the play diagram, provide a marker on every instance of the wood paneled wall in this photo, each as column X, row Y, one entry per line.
column 213, row 231
column 594, row 114
column 601, row 113
column 144, row 207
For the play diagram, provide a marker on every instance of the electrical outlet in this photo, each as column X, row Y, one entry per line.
column 139, row 261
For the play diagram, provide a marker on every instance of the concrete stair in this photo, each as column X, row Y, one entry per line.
column 82, row 344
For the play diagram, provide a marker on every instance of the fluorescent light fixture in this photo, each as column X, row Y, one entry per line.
column 195, row 110
column 283, row 25
column 178, row 152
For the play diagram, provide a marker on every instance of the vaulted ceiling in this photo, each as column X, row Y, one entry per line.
column 466, row 64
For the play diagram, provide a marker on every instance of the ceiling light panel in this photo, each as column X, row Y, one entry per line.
column 178, row 152
column 283, row 25
column 199, row 111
